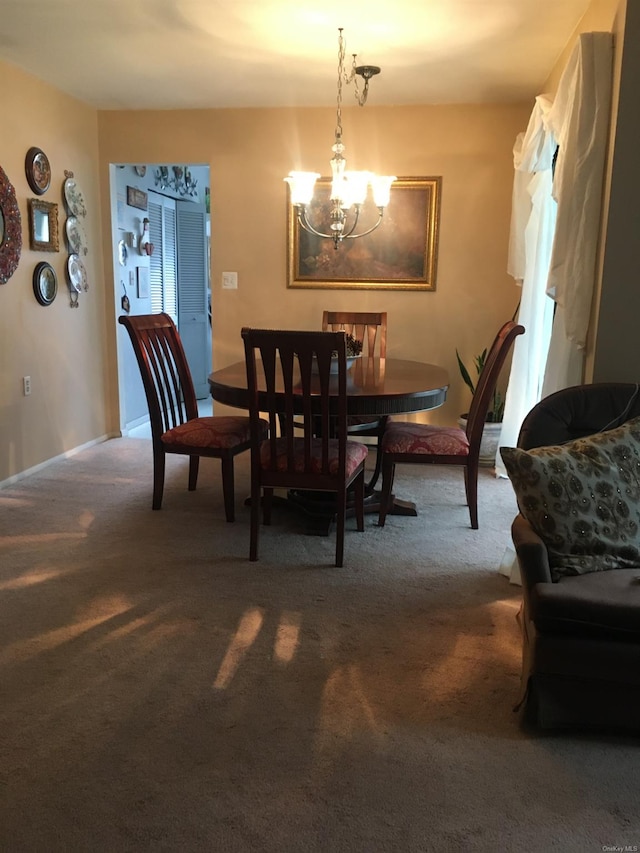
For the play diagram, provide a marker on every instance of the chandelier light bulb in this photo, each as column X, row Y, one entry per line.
column 358, row 184
column 381, row 185
column 302, row 185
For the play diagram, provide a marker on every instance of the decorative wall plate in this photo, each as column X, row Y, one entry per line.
column 76, row 237
column 122, row 253
column 73, row 198
column 10, row 229
column 45, row 283
column 38, row 170
column 78, row 280
column 141, row 170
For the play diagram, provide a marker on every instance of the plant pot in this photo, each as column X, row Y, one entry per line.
column 489, row 442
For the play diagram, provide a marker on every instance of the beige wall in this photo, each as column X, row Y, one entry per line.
column 63, row 350
column 249, row 152
column 601, row 16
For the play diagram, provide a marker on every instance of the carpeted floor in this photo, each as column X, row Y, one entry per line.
column 158, row 692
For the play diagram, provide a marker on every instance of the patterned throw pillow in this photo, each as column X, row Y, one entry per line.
column 583, row 499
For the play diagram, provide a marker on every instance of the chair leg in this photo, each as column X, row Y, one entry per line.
column 255, row 519
column 388, row 471
column 158, row 477
column 359, row 496
column 194, row 465
column 471, row 486
column 228, row 487
column 341, row 519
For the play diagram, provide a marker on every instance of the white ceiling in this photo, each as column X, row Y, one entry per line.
column 181, row 54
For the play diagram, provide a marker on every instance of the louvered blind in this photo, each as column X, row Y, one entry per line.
column 193, row 273
column 162, row 263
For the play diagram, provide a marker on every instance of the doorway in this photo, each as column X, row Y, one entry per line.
column 171, row 274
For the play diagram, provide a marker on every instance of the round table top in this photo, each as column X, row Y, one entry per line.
column 375, row 386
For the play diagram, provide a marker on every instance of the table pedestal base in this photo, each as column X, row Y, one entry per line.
column 319, row 509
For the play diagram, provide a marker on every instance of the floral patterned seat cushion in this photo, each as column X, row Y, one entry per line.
column 583, row 499
column 425, row 438
column 356, row 453
column 217, row 431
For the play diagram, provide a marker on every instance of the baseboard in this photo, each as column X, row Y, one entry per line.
column 15, row 478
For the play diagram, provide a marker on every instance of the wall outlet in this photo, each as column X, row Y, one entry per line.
column 229, row 280
column 26, row 385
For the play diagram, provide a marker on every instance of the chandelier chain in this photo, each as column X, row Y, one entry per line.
column 341, row 54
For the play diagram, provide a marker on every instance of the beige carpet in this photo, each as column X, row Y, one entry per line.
column 159, row 692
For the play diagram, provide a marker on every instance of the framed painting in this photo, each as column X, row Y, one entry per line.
column 401, row 254
column 137, row 198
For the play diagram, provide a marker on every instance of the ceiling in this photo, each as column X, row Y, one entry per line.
column 195, row 54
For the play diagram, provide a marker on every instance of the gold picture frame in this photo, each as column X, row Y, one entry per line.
column 43, row 226
column 401, row 254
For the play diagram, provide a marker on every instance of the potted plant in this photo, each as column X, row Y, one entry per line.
column 493, row 425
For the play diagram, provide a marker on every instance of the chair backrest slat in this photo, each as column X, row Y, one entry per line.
column 293, row 372
column 367, row 326
column 488, row 379
column 165, row 373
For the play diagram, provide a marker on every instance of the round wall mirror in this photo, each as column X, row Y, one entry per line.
column 10, row 229
column 45, row 283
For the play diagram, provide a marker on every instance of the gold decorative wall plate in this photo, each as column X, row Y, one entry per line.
column 38, row 170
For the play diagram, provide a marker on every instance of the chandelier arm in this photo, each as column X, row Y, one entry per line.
column 368, row 231
column 304, row 223
column 337, row 237
column 355, row 222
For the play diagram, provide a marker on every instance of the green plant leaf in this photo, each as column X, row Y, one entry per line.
column 465, row 373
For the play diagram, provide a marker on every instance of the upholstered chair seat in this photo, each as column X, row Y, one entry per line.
column 219, row 431
column 356, row 453
column 424, row 438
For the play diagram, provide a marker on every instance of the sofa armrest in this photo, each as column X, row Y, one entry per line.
column 533, row 556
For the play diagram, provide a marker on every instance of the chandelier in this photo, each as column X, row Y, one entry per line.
column 348, row 188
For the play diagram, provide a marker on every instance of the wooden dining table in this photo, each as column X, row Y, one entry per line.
column 375, row 387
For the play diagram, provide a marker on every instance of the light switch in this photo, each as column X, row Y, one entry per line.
column 229, row 280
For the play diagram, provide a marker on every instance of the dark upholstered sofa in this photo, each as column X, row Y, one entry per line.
column 581, row 633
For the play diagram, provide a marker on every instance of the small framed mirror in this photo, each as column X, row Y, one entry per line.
column 43, row 226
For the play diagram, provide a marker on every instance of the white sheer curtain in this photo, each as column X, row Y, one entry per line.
column 532, row 227
column 579, row 120
column 552, row 250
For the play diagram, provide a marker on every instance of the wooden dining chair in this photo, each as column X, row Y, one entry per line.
column 370, row 328
column 173, row 409
column 421, row 444
column 295, row 369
